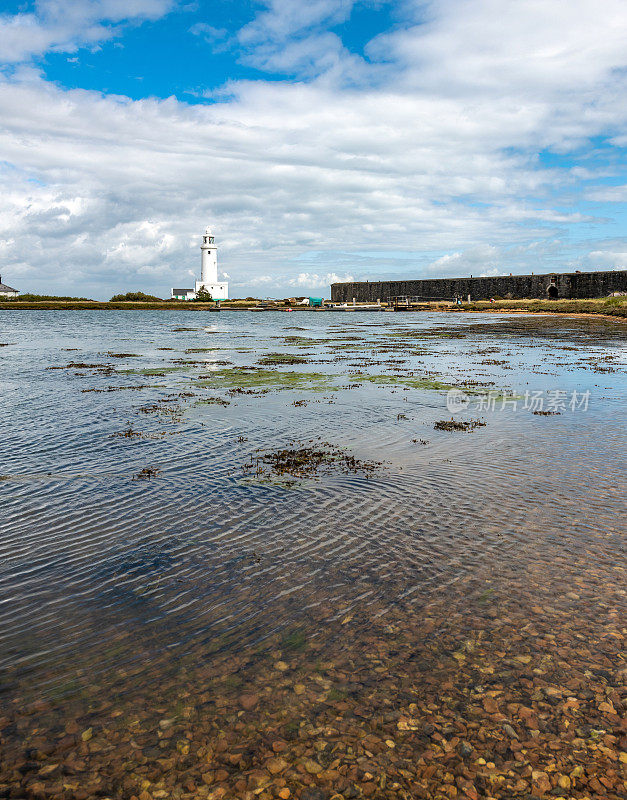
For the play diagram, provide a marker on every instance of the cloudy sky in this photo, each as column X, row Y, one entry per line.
column 321, row 139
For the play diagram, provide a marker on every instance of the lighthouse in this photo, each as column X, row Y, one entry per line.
column 219, row 290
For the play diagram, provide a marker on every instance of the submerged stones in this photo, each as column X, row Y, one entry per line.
column 390, row 715
column 325, row 645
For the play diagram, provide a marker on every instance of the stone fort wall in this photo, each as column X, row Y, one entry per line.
column 579, row 285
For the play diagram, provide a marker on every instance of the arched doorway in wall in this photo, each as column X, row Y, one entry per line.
column 551, row 291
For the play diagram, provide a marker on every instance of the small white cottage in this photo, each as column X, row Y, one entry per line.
column 7, row 291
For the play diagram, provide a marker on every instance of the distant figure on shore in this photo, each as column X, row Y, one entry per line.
column 219, row 290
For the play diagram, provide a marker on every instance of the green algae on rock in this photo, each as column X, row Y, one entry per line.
column 270, row 359
column 307, row 462
column 257, row 377
column 403, row 380
column 458, row 425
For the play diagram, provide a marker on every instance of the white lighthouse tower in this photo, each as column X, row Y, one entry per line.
column 219, row 290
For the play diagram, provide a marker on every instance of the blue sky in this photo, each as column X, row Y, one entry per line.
column 193, row 50
column 323, row 141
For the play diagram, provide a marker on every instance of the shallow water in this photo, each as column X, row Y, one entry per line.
column 468, row 577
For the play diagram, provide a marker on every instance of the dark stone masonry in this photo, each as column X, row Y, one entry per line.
column 574, row 285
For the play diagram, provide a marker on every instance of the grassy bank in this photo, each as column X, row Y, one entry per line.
column 95, row 305
column 611, row 307
column 608, row 307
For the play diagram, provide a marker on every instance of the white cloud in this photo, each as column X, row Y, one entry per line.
column 282, row 284
column 293, row 38
column 604, row 259
column 483, row 259
column 137, row 244
column 312, row 279
column 434, row 156
column 65, row 25
column 608, row 194
column 283, row 19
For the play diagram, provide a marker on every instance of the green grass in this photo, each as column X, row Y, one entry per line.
column 23, row 304
column 136, row 297
column 611, row 306
column 28, row 297
column 616, row 302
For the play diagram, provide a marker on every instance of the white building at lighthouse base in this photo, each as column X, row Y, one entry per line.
column 219, row 290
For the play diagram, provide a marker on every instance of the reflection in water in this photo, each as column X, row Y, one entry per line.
column 449, row 625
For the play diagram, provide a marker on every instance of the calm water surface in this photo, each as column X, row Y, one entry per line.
column 151, row 621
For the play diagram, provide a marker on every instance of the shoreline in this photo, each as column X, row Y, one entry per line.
column 574, row 308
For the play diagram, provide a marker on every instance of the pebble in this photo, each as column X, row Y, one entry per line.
column 510, row 731
column 540, row 781
column 276, row 765
column 466, row 749
column 248, row 701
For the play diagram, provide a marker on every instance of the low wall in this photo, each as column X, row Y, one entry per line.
column 574, row 285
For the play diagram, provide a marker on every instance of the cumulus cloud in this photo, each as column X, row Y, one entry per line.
column 607, row 259
column 65, row 25
column 608, row 194
column 480, row 258
column 436, row 160
column 294, row 39
column 309, row 279
column 282, row 284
